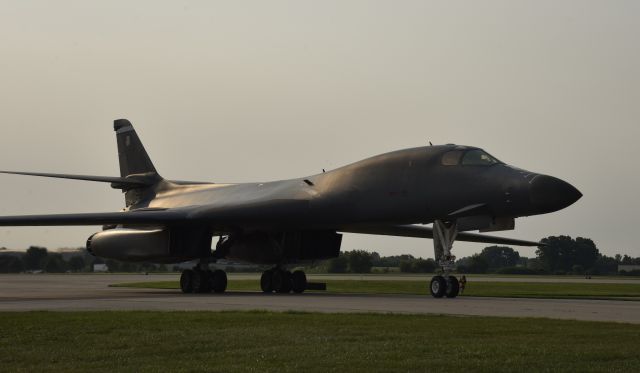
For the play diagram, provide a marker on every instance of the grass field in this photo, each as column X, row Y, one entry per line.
column 478, row 289
column 308, row 342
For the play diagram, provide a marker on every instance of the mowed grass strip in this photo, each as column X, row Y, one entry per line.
column 477, row 289
column 308, row 342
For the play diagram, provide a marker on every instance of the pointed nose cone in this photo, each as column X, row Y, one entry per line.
column 550, row 194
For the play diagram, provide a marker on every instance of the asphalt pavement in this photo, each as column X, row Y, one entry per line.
column 71, row 292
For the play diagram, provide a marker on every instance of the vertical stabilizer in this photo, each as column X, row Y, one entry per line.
column 133, row 158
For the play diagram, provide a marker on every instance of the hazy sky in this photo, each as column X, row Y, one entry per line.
column 261, row 90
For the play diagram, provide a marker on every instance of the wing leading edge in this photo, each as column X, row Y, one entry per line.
column 160, row 217
column 427, row 232
column 259, row 213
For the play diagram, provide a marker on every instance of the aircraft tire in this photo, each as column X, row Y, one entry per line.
column 199, row 281
column 282, row 281
column 298, row 282
column 438, row 286
column 219, row 281
column 186, row 281
column 266, row 281
column 206, row 278
column 453, row 287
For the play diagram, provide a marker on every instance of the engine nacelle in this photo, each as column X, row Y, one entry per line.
column 153, row 245
column 289, row 247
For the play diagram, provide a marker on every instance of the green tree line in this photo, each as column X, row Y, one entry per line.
column 37, row 259
column 560, row 255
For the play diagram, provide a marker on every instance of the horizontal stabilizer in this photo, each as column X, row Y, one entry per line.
column 117, row 182
column 427, row 232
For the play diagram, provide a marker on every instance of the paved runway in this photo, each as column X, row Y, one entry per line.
column 91, row 292
column 471, row 278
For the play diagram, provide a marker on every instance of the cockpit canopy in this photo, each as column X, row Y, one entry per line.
column 470, row 157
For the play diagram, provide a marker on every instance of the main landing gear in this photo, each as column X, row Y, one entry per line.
column 444, row 286
column 444, row 234
column 199, row 280
column 282, row 281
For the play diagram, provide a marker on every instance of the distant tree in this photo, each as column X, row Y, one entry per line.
column 424, row 265
column 376, row 259
column 76, row 263
column 406, row 266
column 360, row 261
column 11, row 264
column 35, row 258
column 577, row 269
column 606, row 265
column 338, row 265
column 518, row 271
column 553, row 255
column 16, row 265
column 536, row 264
column 391, row 261
column 477, row 264
column 500, row 256
column 618, row 258
column 586, row 253
column 561, row 253
column 55, row 263
column 626, row 259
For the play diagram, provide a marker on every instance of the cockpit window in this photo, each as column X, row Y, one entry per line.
column 478, row 157
column 452, row 158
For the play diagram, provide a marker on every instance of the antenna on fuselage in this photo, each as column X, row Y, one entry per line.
column 430, row 143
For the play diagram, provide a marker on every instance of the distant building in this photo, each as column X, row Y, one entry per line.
column 628, row 267
column 100, row 268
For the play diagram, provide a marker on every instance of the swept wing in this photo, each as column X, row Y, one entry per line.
column 427, row 232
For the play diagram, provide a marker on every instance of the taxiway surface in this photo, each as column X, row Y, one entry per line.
column 92, row 292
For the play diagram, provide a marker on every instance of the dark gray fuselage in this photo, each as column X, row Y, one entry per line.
column 402, row 187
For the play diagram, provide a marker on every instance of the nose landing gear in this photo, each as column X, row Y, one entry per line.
column 444, row 234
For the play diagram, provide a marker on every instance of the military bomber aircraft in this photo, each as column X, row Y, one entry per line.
column 279, row 224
